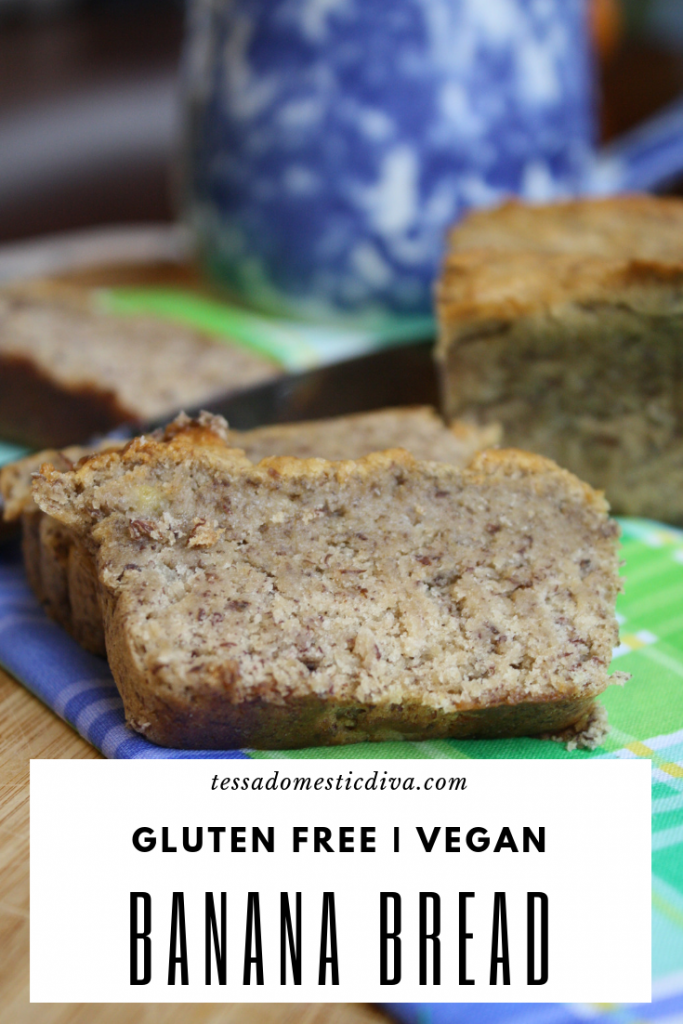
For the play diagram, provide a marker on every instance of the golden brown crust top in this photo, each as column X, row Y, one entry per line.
column 510, row 261
column 15, row 478
column 489, row 285
column 203, row 440
column 418, row 429
column 511, row 462
column 639, row 226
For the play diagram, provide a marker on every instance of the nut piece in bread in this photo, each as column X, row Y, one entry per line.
column 563, row 323
column 298, row 602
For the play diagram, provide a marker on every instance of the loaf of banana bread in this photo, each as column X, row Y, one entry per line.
column 563, row 323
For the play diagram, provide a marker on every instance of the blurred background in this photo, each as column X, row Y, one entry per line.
column 87, row 112
column 88, row 102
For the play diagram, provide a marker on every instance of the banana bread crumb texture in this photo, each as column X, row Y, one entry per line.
column 295, row 602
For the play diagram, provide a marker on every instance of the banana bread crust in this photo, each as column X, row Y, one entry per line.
column 641, row 226
column 59, row 569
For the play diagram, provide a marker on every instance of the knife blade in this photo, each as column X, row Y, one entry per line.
column 396, row 376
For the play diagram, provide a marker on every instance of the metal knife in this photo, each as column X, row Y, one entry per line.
column 394, row 376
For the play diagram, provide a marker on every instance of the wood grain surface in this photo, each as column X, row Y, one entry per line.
column 28, row 729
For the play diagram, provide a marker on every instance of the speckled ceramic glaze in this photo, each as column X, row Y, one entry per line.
column 331, row 142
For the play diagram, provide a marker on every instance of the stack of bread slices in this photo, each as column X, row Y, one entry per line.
column 345, row 587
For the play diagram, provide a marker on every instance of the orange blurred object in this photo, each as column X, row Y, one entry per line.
column 605, row 23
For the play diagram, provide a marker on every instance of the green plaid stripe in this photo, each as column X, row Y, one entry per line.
column 296, row 345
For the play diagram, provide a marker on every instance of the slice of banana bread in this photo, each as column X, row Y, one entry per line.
column 62, row 576
column 297, row 602
column 68, row 371
column 563, row 323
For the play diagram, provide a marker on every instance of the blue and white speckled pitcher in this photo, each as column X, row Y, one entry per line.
column 330, row 143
